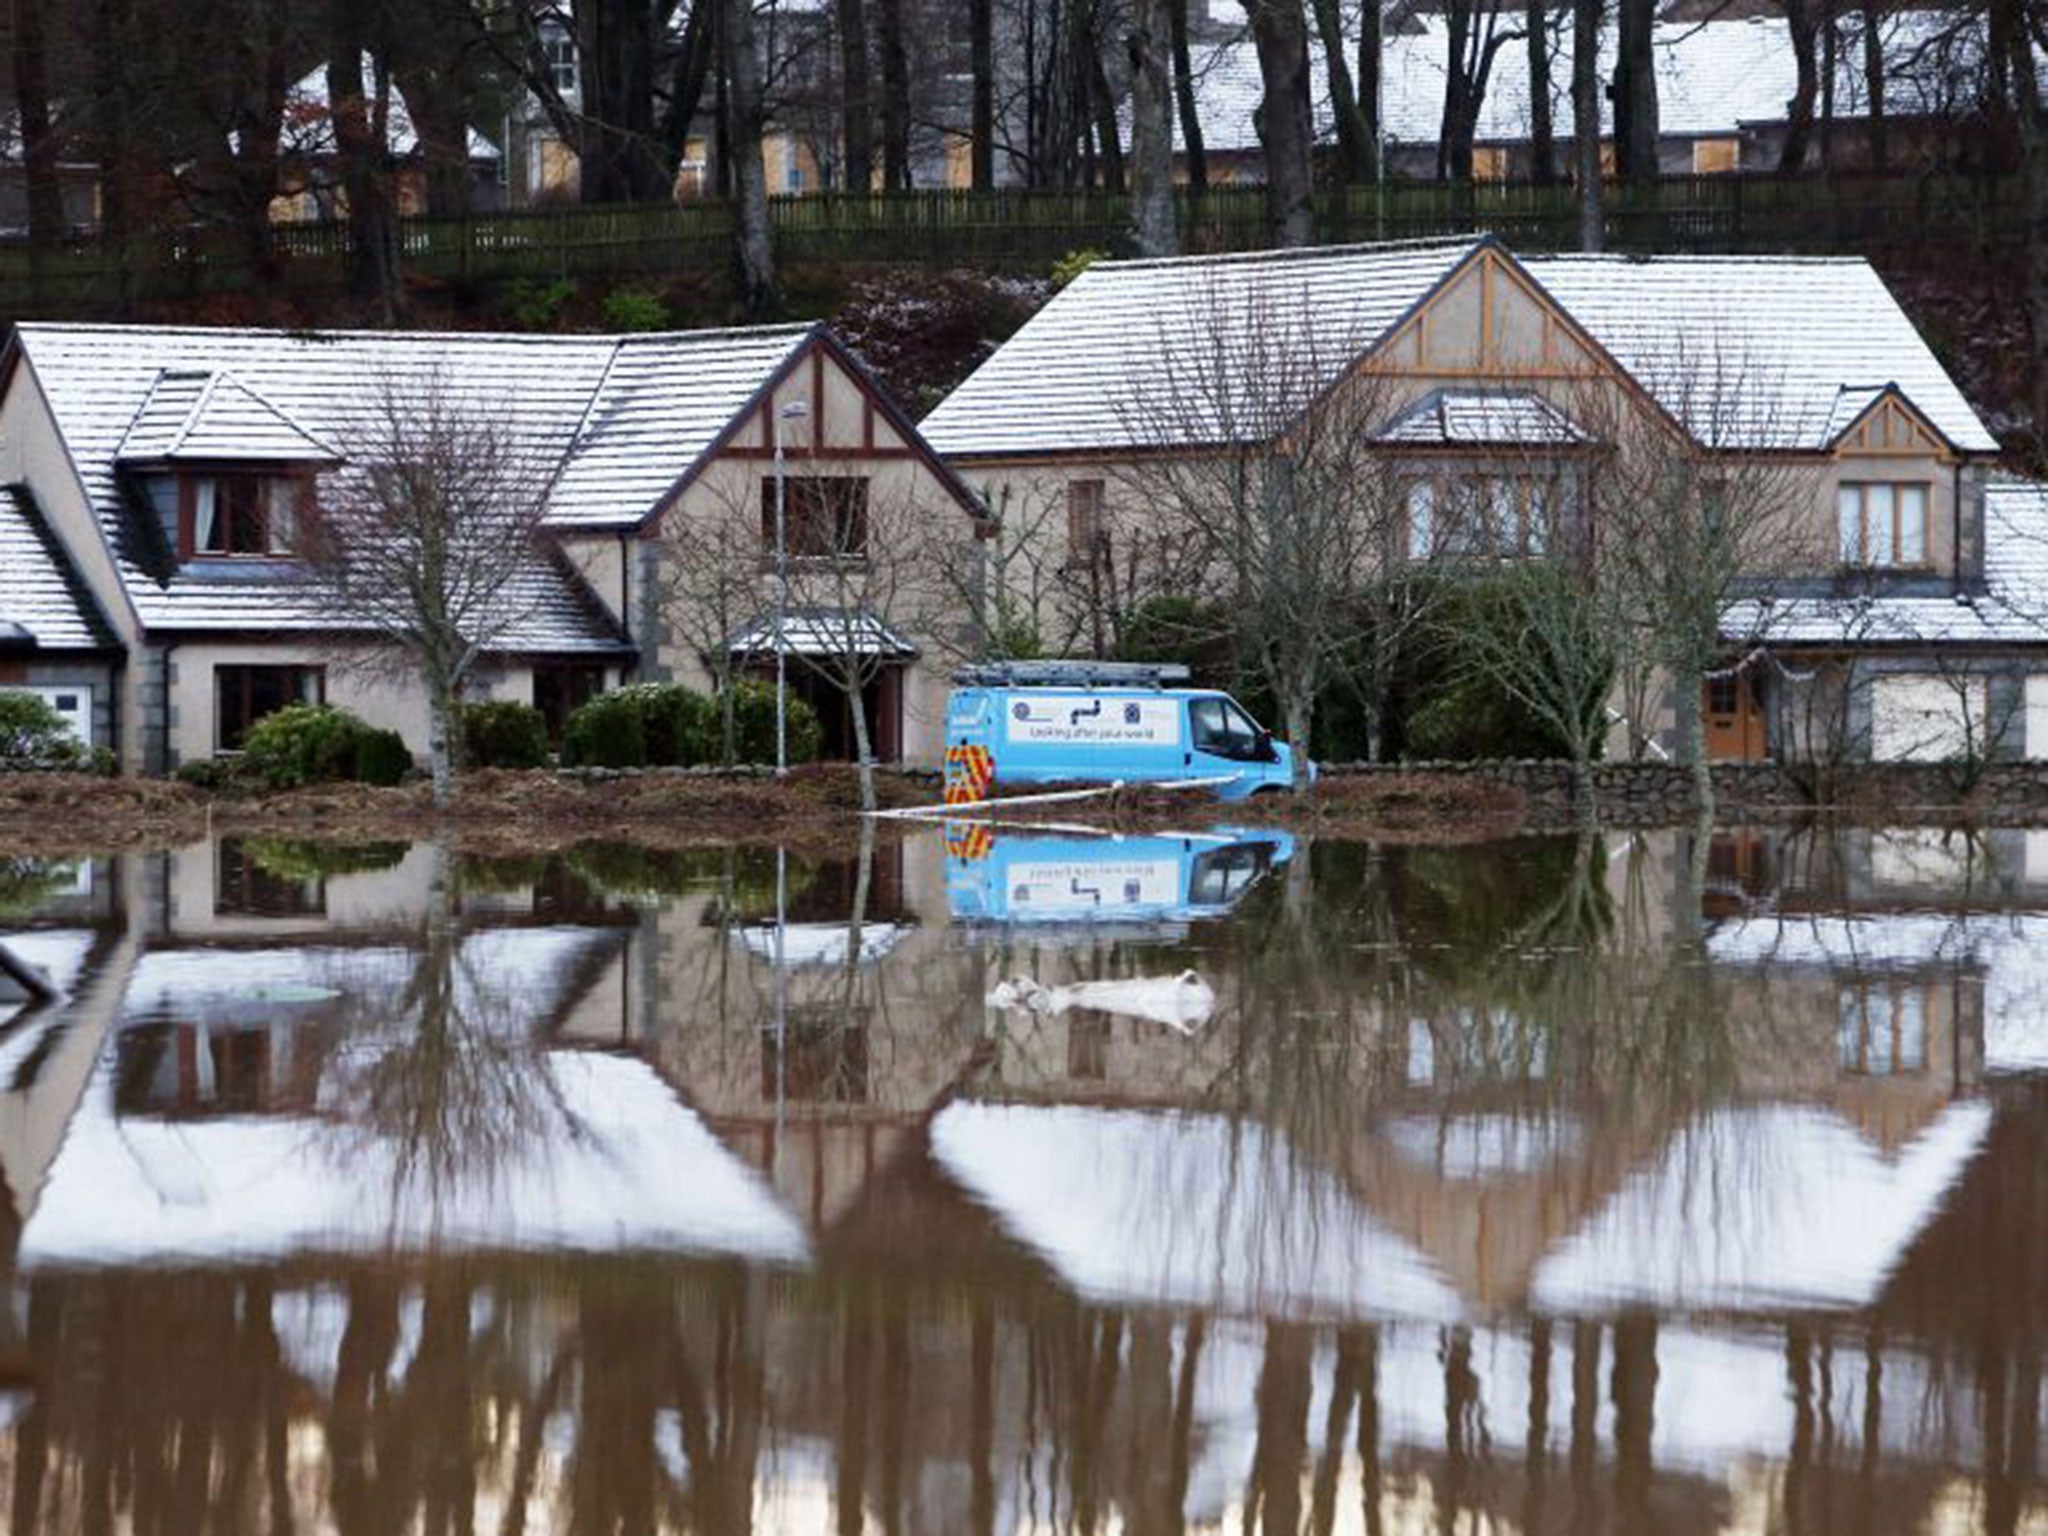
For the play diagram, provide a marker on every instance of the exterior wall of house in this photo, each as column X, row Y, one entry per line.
column 384, row 699
column 656, row 584
column 33, row 454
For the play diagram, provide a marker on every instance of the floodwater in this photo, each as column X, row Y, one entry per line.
column 1000, row 1183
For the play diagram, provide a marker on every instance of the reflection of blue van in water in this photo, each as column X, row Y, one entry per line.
column 1001, row 877
column 1064, row 721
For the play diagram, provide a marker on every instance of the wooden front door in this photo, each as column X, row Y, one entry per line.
column 1733, row 714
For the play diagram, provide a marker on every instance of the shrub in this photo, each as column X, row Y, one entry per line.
column 300, row 858
column 381, row 758
column 318, row 744
column 504, row 734
column 209, row 773
column 609, row 731
column 535, row 305
column 34, row 737
column 635, row 309
column 1074, row 263
column 753, row 719
column 657, row 725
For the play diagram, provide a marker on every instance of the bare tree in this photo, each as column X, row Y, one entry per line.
column 1192, row 147
column 1475, row 39
column 360, row 110
column 1152, row 211
column 1635, row 90
column 425, row 538
column 709, row 588
column 1276, row 485
column 1691, row 512
column 1355, row 115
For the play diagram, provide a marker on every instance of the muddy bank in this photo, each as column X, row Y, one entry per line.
column 815, row 807
column 496, row 812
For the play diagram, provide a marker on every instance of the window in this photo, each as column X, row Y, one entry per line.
column 558, row 49
column 1477, row 517
column 1882, row 1029
column 825, row 517
column 230, row 516
column 1715, row 157
column 1087, row 535
column 1489, row 163
column 1221, row 729
column 1882, row 524
column 244, row 695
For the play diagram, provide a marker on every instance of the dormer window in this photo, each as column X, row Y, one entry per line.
column 1883, row 524
column 240, row 516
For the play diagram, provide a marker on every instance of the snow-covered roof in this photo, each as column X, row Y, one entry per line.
column 1083, row 372
column 41, row 595
column 1477, row 418
column 821, row 632
column 621, row 420
column 2012, row 607
column 1747, row 351
column 1184, row 1210
column 196, row 415
column 1769, row 346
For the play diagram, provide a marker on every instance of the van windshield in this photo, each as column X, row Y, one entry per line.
column 1221, row 729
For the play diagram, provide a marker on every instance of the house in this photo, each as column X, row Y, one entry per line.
column 1483, row 364
column 156, row 477
column 1724, row 83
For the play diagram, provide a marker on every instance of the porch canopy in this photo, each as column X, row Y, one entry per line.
column 822, row 632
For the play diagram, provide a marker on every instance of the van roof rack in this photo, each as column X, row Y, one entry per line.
column 1072, row 674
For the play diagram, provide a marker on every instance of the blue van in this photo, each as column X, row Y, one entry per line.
column 1056, row 722
column 997, row 877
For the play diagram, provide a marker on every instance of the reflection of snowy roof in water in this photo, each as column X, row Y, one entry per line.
column 1761, row 1207
column 1187, row 1210
column 822, row 943
column 609, row 1159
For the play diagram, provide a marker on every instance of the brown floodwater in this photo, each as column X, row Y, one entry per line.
column 998, row 1182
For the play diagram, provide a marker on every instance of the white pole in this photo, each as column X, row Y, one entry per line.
column 781, row 613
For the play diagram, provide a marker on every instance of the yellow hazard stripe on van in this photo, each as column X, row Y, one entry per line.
column 970, row 773
column 970, row 840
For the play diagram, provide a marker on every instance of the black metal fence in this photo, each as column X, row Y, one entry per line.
column 1021, row 229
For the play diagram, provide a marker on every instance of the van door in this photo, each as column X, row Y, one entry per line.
column 1222, row 737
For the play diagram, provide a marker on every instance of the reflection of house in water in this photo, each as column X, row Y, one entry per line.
column 1457, row 1254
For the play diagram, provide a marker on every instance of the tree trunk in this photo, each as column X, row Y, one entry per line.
column 981, row 48
column 895, row 98
column 1542, row 135
column 864, row 754
column 755, row 240
column 1355, row 144
column 1106, row 137
column 1873, row 89
column 39, row 147
column 1280, row 35
column 1690, row 686
column 1155, row 227
column 1192, row 148
column 1586, row 167
column 359, row 127
column 617, row 49
column 686, row 83
column 443, row 746
column 856, row 130
column 1636, row 130
column 2033, row 136
column 1804, row 36
column 1453, row 147
column 1301, row 720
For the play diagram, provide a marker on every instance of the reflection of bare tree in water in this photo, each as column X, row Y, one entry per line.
column 450, row 1086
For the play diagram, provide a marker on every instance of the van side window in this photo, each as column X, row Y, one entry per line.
column 1221, row 729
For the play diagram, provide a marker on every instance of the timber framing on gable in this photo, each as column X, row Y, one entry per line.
column 1565, row 351
column 879, row 414
column 1891, row 426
